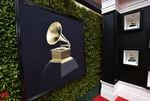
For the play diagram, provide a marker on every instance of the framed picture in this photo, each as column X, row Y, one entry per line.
column 148, row 79
column 132, row 21
column 50, row 55
column 131, row 57
column 148, row 44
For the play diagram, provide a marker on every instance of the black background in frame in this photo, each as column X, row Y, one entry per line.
column 131, row 12
column 32, row 24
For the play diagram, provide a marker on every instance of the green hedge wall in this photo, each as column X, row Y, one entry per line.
column 9, row 69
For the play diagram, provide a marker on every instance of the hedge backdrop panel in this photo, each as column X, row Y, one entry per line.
column 9, row 69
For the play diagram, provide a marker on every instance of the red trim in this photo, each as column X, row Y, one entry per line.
column 99, row 98
column 121, row 99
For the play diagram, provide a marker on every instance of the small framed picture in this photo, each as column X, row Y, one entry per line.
column 132, row 21
column 131, row 57
column 148, row 80
column 149, row 44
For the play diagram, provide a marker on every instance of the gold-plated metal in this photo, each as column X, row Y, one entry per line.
column 61, row 63
column 54, row 34
column 60, row 53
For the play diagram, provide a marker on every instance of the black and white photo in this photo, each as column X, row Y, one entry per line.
column 132, row 21
column 131, row 57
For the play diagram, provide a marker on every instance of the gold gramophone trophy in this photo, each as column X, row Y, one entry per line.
column 61, row 63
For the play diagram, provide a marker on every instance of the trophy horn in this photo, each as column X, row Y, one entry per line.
column 54, row 34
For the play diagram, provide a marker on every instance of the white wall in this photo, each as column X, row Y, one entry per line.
column 126, row 90
column 123, row 6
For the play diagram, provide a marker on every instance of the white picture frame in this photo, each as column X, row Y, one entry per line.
column 148, row 79
column 132, row 21
column 131, row 57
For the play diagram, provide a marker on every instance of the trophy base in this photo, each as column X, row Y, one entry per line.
column 61, row 60
column 58, row 68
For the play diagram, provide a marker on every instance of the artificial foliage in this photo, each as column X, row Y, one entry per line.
column 9, row 68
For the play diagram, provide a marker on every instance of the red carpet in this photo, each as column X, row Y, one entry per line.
column 100, row 98
column 121, row 99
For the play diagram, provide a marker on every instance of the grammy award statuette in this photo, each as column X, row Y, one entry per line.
column 61, row 63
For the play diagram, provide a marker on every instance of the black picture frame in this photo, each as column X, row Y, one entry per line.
column 148, row 44
column 132, row 21
column 32, row 23
column 92, row 4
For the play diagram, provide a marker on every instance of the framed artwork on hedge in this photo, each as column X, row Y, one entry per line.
column 131, row 57
column 132, row 21
column 50, row 55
